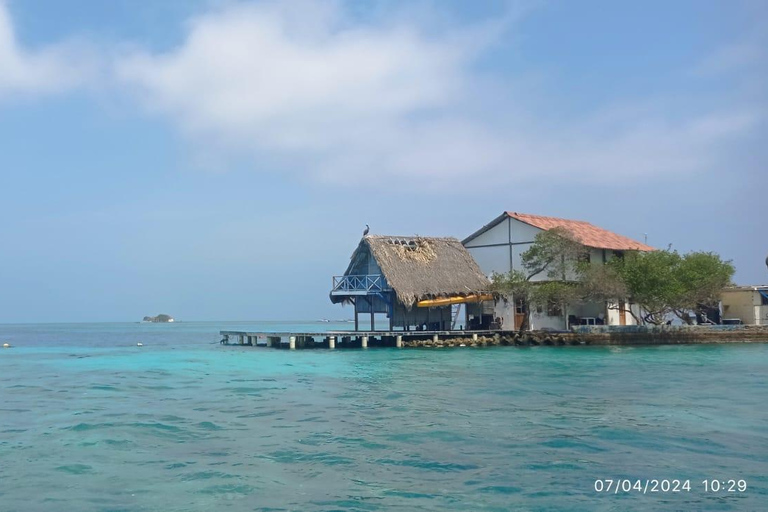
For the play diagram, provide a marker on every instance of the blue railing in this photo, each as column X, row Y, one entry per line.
column 358, row 285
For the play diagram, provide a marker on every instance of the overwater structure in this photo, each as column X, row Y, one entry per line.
column 417, row 283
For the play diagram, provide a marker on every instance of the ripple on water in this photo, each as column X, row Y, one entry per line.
column 84, row 427
column 378, row 430
column 76, row 469
column 206, row 475
column 104, row 387
column 442, row 467
column 208, row 425
column 297, row 457
column 227, row 489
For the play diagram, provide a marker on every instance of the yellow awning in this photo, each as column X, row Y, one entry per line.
column 447, row 301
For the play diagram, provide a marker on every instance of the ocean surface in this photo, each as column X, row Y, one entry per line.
column 89, row 421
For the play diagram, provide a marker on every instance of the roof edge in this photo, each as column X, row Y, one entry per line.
column 485, row 228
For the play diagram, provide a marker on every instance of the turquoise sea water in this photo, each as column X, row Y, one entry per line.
column 91, row 422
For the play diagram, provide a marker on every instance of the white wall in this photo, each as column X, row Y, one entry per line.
column 491, row 249
column 543, row 321
column 522, row 232
column 491, row 259
column 614, row 317
column 506, row 311
column 762, row 315
column 498, row 234
column 743, row 304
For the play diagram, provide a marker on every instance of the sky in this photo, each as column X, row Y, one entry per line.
column 219, row 159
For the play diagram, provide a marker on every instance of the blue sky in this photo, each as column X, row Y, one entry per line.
column 218, row 160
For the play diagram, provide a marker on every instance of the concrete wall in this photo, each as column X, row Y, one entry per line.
column 505, row 311
column 746, row 305
column 542, row 321
column 614, row 317
column 670, row 334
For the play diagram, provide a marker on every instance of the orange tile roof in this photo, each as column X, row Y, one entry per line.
column 586, row 233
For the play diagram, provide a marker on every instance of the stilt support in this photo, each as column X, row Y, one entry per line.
column 331, row 342
column 292, row 343
column 365, row 342
column 399, row 341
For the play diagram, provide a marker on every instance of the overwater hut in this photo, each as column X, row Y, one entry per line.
column 418, row 282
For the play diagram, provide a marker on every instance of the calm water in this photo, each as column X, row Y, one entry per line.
column 91, row 422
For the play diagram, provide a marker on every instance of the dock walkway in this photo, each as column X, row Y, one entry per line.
column 346, row 339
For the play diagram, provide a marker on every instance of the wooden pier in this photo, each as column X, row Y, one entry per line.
column 358, row 339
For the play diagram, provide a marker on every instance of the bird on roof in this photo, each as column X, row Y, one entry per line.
column 367, row 229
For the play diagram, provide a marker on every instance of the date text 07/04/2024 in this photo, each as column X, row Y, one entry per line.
column 649, row 486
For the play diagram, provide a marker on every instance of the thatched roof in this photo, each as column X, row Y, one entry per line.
column 419, row 268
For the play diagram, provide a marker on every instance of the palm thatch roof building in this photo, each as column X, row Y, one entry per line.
column 415, row 281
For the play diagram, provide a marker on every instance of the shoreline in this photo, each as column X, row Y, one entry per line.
column 580, row 336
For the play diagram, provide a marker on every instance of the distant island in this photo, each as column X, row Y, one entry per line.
column 158, row 319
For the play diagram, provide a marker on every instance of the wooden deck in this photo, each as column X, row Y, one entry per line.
column 344, row 339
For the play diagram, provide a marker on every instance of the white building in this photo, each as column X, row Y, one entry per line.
column 499, row 245
column 747, row 303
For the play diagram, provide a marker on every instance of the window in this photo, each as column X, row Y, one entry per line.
column 584, row 257
column 539, row 309
column 618, row 254
column 764, row 297
column 554, row 309
column 520, row 307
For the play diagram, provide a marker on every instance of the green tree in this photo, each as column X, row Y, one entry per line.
column 555, row 255
column 664, row 282
column 651, row 282
column 702, row 276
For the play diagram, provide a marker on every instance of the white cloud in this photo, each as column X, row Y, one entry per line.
column 307, row 86
column 296, row 76
column 46, row 70
column 348, row 101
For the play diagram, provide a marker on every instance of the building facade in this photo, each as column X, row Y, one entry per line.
column 498, row 248
column 749, row 304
